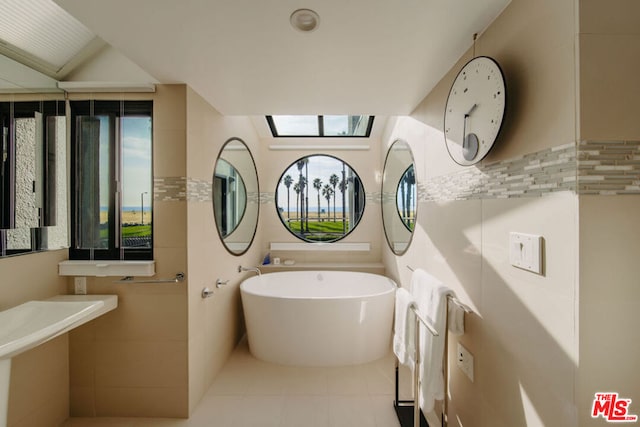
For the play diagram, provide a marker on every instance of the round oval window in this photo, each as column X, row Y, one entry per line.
column 320, row 198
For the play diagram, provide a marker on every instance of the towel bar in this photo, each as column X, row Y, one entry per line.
column 129, row 279
column 453, row 299
column 416, row 368
column 416, row 364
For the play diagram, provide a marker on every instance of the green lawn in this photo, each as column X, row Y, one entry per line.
column 136, row 230
column 320, row 231
column 129, row 231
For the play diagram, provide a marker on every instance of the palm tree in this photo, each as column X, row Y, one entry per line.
column 302, row 183
column 287, row 181
column 343, row 189
column 333, row 180
column 296, row 188
column 317, row 184
column 306, row 195
column 327, row 192
column 303, row 201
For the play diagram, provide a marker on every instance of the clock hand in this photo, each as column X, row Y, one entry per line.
column 464, row 129
column 464, row 125
column 473, row 107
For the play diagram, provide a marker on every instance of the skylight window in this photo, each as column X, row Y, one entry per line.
column 321, row 126
column 42, row 30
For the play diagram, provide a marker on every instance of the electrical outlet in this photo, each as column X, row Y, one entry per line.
column 464, row 360
column 80, row 284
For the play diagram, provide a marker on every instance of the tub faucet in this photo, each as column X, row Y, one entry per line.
column 254, row 269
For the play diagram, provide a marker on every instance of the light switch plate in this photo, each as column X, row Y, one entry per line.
column 525, row 251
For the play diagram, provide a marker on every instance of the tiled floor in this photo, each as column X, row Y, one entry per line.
column 252, row 393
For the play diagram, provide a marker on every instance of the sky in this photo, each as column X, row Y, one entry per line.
column 308, row 125
column 136, row 161
column 319, row 167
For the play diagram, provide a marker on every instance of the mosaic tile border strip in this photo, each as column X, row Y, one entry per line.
column 181, row 189
column 267, row 197
column 609, row 167
column 253, row 197
column 170, row 189
column 373, row 197
column 199, row 190
column 586, row 168
column 530, row 175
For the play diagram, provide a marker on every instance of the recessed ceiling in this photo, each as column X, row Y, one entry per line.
column 244, row 57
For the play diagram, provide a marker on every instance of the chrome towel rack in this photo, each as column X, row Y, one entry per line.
column 419, row 319
column 130, row 279
column 452, row 299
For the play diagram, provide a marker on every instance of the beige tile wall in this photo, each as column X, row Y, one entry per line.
column 39, row 387
column 214, row 323
column 609, row 239
column 609, row 40
column 609, row 301
column 523, row 334
column 134, row 360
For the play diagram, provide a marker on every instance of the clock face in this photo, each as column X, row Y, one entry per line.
column 475, row 109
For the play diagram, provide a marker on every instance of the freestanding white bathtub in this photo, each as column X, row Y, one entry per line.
column 318, row 318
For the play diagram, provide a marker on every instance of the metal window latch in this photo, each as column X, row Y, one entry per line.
column 220, row 283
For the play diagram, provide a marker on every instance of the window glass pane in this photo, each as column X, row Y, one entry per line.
column 94, row 179
column 6, row 174
column 360, row 125
column 319, row 126
column 346, row 125
column 320, row 198
column 58, row 236
column 106, row 177
column 113, row 178
column 296, row 125
column 136, row 182
column 336, row 125
column 406, row 198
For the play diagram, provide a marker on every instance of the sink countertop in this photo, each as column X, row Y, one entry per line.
column 110, row 302
column 35, row 322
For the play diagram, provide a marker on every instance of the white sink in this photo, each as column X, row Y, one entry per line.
column 35, row 322
column 32, row 323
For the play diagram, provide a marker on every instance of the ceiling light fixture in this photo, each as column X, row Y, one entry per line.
column 305, row 20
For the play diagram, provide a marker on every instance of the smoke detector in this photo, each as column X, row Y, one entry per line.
column 305, row 20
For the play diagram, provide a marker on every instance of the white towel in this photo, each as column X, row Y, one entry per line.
column 456, row 319
column 431, row 297
column 403, row 337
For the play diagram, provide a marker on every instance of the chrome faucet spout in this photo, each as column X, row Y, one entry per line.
column 254, row 269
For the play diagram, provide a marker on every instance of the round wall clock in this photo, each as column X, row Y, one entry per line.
column 475, row 110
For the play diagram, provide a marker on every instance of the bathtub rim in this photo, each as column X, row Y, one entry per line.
column 393, row 286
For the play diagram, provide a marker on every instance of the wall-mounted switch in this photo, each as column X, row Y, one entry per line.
column 80, row 285
column 525, row 251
